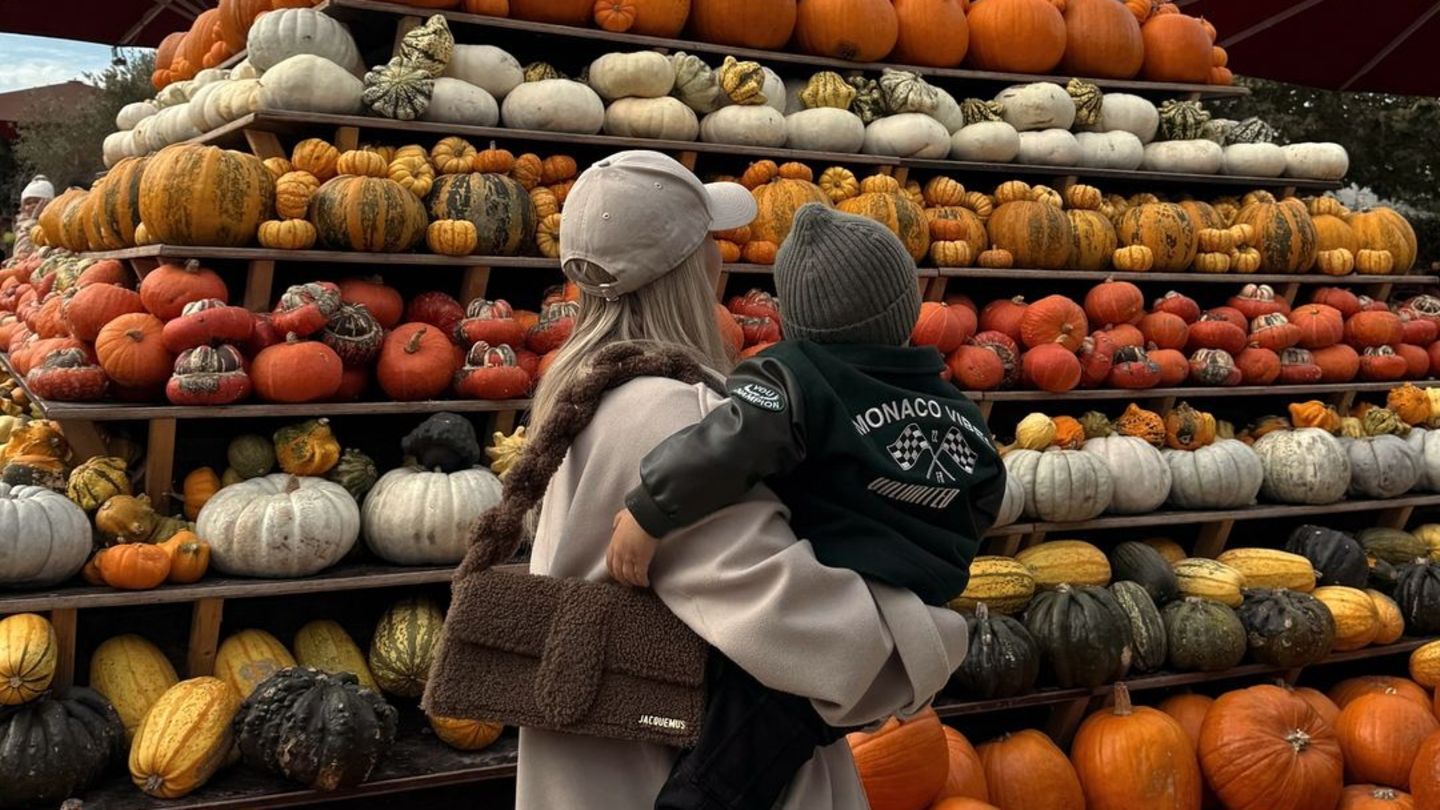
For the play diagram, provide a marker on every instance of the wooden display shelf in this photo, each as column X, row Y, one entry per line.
column 1027, row 274
column 367, row 10
column 416, row 761
column 1190, row 392
column 313, row 124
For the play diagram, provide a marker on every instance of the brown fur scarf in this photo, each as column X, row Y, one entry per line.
column 500, row 531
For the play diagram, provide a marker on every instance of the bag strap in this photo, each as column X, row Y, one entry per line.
column 499, row 532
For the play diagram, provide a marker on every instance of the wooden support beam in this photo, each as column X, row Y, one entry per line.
column 935, row 290
column 1212, row 538
column 1343, row 401
column 1394, row 518
column 265, row 145
column 985, row 406
column 143, row 266
column 347, row 139
column 160, row 463
column 1289, row 292
column 1008, row 545
column 403, row 27
column 1032, row 539
column 687, row 159
column 64, row 621
column 1160, row 405
column 259, row 285
column 505, row 422
column 1065, row 719
column 902, row 175
column 85, row 438
column 473, row 284
column 722, row 282
column 1381, row 292
column 205, row 616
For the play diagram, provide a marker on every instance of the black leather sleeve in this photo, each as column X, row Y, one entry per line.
column 759, row 432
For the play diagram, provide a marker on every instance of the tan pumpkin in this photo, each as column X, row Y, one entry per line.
column 202, row 195
column 897, row 212
column 1166, row 229
column 1382, row 229
column 1036, row 234
column 778, row 200
column 1284, row 234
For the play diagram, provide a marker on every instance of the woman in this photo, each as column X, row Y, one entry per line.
column 33, row 200
column 636, row 242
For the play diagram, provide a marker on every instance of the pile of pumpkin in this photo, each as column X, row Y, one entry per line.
column 1110, row 340
column 1063, row 614
column 1370, row 743
column 175, row 336
column 262, row 700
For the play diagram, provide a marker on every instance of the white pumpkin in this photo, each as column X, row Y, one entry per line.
column 1224, row 475
column 1185, row 157
column 209, row 76
column 1013, row 505
column 985, row 142
column 947, row 111
column 1110, row 150
column 117, row 147
column 308, row 83
column 1035, row 106
column 1062, row 486
column 663, row 118
column 173, row 125
column 907, row 135
column 747, row 125
column 1050, row 147
column 174, row 93
column 824, row 129
column 245, row 69
column 132, row 114
column 1253, row 160
column 231, row 102
column 457, row 102
column 280, row 34
column 279, row 526
column 1382, row 466
column 774, row 89
column 1316, row 161
column 416, row 517
column 554, row 105
column 1426, row 446
column 1142, row 478
column 487, row 67
column 140, row 137
column 1129, row 113
column 643, row 74
column 44, row 537
column 793, row 89
column 1305, row 466
column 201, row 106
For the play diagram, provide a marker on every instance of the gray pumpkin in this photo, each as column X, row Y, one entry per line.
column 398, row 90
column 1382, row 466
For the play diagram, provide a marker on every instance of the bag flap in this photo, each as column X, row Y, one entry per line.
column 573, row 661
column 517, row 613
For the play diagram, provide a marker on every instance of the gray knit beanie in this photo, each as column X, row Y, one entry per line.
column 844, row 278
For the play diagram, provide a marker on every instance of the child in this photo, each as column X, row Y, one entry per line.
column 887, row 470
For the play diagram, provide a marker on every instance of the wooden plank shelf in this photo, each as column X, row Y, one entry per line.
column 366, row 10
column 1189, row 392
column 1027, row 274
column 310, row 124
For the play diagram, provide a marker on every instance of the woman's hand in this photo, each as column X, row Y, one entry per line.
column 630, row 552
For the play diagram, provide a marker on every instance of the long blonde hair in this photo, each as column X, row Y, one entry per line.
column 676, row 310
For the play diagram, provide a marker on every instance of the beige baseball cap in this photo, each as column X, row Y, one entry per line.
column 639, row 213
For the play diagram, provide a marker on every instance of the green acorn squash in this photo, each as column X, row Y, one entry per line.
column 1203, row 635
column 1337, row 557
column 1285, row 628
column 56, row 747
column 1143, row 565
column 1147, row 629
column 1083, row 635
column 251, row 456
column 1394, row 546
column 356, row 472
column 1003, row 660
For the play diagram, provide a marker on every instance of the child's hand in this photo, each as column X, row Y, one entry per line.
column 631, row 550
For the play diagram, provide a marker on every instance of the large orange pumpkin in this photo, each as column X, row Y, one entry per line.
column 1026, row 770
column 858, row 30
column 1384, row 229
column 564, row 12
column 1120, row 752
column 1284, row 234
column 1016, row 36
column 659, row 18
column 296, row 371
column 1333, row 233
column 897, row 212
column 967, row 776
column 1189, row 711
column 1264, row 748
column 1037, row 234
column 203, row 195
column 903, row 766
column 416, row 362
column 1374, row 797
column 1323, row 705
column 204, row 33
column 235, row 19
column 1093, row 240
column 115, row 205
column 1054, row 319
column 1350, row 689
column 1177, row 49
column 1103, row 40
column 765, row 24
column 1380, row 735
column 1166, row 229
column 932, row 33
column 778, row 200
column 1425, row 773
column 962, row 803
column 132, row 351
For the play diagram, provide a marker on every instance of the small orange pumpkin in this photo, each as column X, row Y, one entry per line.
column 133, row 566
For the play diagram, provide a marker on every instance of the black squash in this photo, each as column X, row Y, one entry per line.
column 1142, row 564
column 319, row 729
column 1382, row 576
column 1083, row 635
column 1203, row 635
column 1147, row 629
column 1337, row 557
column 55, row 748
column 1285, row 628
column 1417, row 592
column 445, row 442
column 1394, row 546
column 1003, row 660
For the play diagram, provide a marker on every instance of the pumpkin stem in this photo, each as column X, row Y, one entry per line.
column 135, row 335
column 1298, row 740
column 192, row 265
column 154, row 782
column 292, row 484
column 414, row 345
column 1123, row 707
column 982, row 611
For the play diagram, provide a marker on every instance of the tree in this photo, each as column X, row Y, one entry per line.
column 68, row 151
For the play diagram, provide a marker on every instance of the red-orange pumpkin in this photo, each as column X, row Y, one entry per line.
column 976, row 368
column 1369, row 329
column 1017, row 36
column 132, row 351
column 1004, row 316
column 107, row 271
column 942, row 326
column 1165, row 330
column 1417, row 361
column 1374, row 797
column 765, row 24
column 857, row 30
column 1174, row 367
column 1320, row 325
column 1051, row 367
column 903, row 765
column 168, row 288
column 1026, row 770
column 931, row 32
column 966, row 775
column 95, row 305
column 1103, row 40
column 1177, row 49
column 1114, row 302
column 1054, row 319
column 297, row 371
column 1119, row 752
column 1348, row 303
column 416, row 363
column 1380, row 735
column 1264, row 748
column 1340, row 363
column 1189, row 712
column 564, row 12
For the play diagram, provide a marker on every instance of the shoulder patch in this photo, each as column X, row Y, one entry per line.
column 761, row 396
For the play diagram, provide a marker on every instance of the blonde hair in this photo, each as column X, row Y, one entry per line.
column 676, row 310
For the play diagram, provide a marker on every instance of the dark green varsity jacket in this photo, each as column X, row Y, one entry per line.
column 886, row 469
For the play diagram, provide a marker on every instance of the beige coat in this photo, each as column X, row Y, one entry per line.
column 741, row 580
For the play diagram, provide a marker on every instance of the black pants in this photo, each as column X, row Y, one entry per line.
column 754, row 741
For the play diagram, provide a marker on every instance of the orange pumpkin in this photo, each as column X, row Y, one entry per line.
column 296, row 371
column 1016, row 36
column 1054, row 319
column 857, row 30
column 1189, row 711
column 1119, row 751
column 132, row 351
column 94, row 305
column 133, row 566
column 168, row 288
column 1037, row 234
column 1380, row 735
column 904, row 764
column 1264, row 748
column 189, row 557
column 1374, row 797
column 932, row 33
column 1425, row 773
column 416, row 362
column 1177, row 49
column 236, row 17
column 1103, row 40
column 966, row 777
column 654, row 18
column 1323, row 705
column 962, row 803
column 765, row 24
column 1026, row 770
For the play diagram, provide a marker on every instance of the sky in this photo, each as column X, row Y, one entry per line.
column 35, row 61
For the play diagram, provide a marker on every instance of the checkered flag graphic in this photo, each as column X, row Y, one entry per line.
column 910, row 447
column 955, row 446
